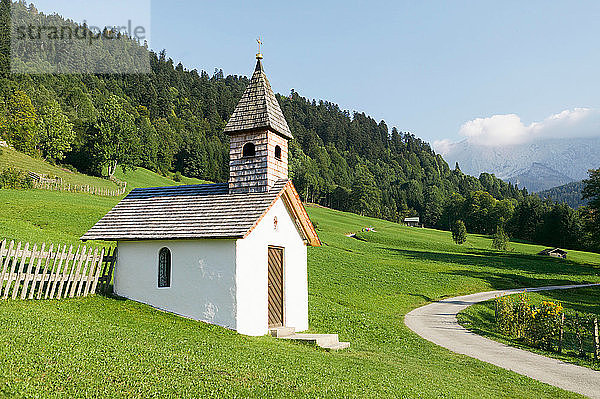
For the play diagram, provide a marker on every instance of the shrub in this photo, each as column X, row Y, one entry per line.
column 14, row 178
column 544, row 325
column 178, row 176
column 459, row 232
column 536, row 326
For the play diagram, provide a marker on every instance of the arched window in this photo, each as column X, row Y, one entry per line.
column 278, row 152
column 164, row 267
column 248, row 150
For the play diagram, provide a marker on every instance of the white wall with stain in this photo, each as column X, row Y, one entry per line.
column 202, row 278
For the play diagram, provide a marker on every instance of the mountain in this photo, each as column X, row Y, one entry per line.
column 538, row 177
column 569, row 194
column 561, row 158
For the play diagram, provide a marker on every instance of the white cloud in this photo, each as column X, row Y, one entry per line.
column 442, row 146
column 495, row 130
column 501, row 130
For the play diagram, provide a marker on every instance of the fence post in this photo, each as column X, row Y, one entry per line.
column 578, row 334
column 561, row 333
column 496, row 309
column 596, row 340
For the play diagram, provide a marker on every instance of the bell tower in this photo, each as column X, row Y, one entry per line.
column 258, row 138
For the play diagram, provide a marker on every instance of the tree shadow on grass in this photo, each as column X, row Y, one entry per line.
column 586, row 300
column 425, row 297
column 503, row 281
column 504, row 261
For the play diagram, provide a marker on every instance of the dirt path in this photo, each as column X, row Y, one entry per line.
column 437, row 323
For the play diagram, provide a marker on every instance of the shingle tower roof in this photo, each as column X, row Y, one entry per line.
column 258, row 107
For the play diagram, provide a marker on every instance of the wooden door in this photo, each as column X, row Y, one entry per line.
column 275, row 287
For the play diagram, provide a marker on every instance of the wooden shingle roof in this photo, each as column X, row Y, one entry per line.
column 195, row 212
column 258, row 108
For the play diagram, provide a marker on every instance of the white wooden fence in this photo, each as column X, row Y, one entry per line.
column 76, row 188
column 57, row 184
column 51, row 273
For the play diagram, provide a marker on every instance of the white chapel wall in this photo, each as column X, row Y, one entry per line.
column 202, row 277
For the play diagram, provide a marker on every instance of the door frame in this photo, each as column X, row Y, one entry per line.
column 283, row 294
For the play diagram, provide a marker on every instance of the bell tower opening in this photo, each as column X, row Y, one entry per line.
column 248, row 150
column 278, row 153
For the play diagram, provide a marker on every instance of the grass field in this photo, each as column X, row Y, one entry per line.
column 50, row 216
column 479, row 318
column 361, row 289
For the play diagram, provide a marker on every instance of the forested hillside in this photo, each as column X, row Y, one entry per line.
column 172, row 120
column 570, row 193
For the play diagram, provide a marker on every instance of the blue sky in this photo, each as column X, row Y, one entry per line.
column 440, row 69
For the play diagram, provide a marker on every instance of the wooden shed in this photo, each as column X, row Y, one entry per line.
column 413, row 221
column 555, row 252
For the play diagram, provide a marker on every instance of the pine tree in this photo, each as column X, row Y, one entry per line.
column 591, row 192
column 365, row 195
column 459, row 232
column 501, row 240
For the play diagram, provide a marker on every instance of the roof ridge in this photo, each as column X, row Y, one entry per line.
column 174, row 213
column 178, row 186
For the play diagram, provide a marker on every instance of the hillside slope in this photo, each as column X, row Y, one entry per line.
column 570, row 193
column 15, row 159
column 358, row 288
column 41, row 215
column 139, row 177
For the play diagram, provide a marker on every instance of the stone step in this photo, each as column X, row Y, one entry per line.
column 326, row 341
column 321, row 340
column 281, row 332
column 338, row 346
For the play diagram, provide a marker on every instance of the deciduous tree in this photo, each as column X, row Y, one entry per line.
column 20, row 127
column 113, row 140
column 55, row 132
column 591, row 191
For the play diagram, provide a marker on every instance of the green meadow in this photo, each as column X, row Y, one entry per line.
column 360, row 288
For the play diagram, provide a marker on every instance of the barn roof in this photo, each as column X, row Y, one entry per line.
column 258, row 108
column 549, row 251
column 196, row 211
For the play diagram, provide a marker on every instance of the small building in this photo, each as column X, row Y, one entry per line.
column 232, row 254
column 556, row 252
column 413, row 221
